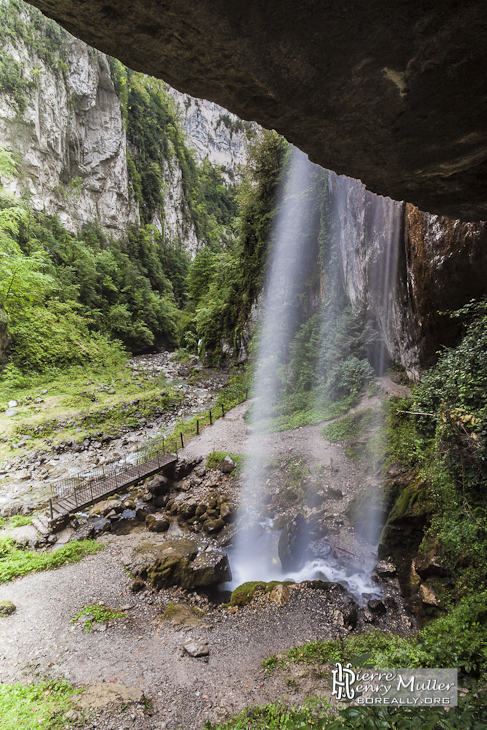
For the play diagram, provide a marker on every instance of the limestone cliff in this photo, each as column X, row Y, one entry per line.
column 411, row 268
column 215, row 134
column 62, row 115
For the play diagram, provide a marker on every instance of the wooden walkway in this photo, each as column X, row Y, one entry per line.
column 91, row 488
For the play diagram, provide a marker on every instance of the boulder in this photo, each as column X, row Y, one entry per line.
column 385, row 569
column 280, row 594
column 196, row 649
column 212, row 526
column 157, row 523
column 159, row 485
column 210, row 567
column 226, row 513
column 179, row 561
column 103, row 508
column 6, row 608
column 227, row 465
column 187, row 509
column 185, row 467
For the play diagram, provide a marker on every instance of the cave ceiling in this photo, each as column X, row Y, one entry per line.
column 393, row 93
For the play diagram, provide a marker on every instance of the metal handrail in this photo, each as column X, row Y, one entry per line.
column 94, row 479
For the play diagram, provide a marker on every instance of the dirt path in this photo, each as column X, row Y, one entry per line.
column 143, row 650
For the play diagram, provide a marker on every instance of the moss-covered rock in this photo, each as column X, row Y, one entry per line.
column 7, row 608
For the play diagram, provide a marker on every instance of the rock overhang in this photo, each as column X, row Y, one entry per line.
column 391, row 92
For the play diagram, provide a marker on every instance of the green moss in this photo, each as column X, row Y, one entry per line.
column 244, row 593
column 100, row 614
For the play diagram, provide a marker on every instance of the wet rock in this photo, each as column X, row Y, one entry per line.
column 367, row 513
column 101, row 525
column 428, row 564
column 293, row 543
column 427, row 595
column 157, row 523
column 227, row 465
column 213, row 526
column 196, row 649
column 385, row 569
column 7, row 608
column 280, row 594
column 161, row 501
column 129, row 504
column 376, row 606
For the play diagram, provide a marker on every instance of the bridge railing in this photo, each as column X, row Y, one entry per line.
column 93, row 482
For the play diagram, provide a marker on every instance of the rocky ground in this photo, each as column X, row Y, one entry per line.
column 177, row 656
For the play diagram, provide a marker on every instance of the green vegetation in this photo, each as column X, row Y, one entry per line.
column 214, row 459
column 100, row 614
column 316, row 714
column 243, row 594
column 15, row 521
column 457, row 640
column 224, row 281
column 278, row 716
column 15, row 562
column 41, row 705
column 442, row 437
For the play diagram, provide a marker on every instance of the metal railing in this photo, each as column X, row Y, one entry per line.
column 88, row 486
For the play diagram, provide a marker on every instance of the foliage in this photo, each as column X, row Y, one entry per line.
column 214, row 459
column 316, row 714
column 15, row 521
column 224, row 282
column 43, row 704
column 100, row 614
column 348, row 427
column 443, row 435
column 15, row 562
column 278, row 716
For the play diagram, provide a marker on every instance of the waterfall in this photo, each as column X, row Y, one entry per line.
column 347, row 218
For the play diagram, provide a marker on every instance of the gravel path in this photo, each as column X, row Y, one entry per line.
column 143, row 650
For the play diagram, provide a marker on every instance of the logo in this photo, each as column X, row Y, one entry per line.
column 396, row 687
column 343, row 680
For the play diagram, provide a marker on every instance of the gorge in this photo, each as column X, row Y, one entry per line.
column 314, row 353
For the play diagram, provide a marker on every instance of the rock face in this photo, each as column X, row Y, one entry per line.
column 70, row 138
column 401, row 109
column 66, row 128
column 215, row 134
column 409, row 268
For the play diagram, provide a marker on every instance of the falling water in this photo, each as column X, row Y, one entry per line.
column 358, row 220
